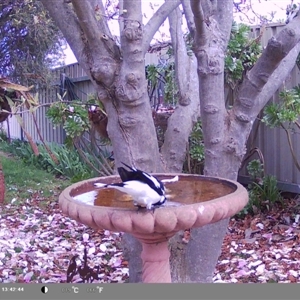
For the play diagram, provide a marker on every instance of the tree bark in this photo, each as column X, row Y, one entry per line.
column 180, row 124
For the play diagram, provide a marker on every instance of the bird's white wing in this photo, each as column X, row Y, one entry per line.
column 174, row 179
column 99, row 185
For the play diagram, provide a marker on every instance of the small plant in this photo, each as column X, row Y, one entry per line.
column 285, row 115
column 194, row 161
column 266, row 193
column 263, row 190
column 255, row 170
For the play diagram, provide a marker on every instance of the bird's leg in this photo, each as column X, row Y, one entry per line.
column 140, row 208
column 151, row 208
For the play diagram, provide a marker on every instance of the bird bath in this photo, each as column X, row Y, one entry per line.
column 193, row 201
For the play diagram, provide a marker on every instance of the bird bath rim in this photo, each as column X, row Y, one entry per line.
column 163, row 221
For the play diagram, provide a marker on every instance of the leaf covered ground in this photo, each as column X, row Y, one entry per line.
column 38, row 243
column 263, row 248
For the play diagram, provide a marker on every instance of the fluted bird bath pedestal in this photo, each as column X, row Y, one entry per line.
column 194, row 201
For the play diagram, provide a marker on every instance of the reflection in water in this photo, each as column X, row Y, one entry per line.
column 185, row 191
column 87, row 197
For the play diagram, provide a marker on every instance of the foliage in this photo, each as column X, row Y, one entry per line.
column 288, row 110
column 196, row 142
column 242, row 53
column 30, row 42
column 255, row 170
column 195, row 155
column 163, row 74
column 69, row 163
column 263, row 191
column 73, row 117
column 285, row 115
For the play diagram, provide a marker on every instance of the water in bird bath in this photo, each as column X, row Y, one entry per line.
column 188, row 189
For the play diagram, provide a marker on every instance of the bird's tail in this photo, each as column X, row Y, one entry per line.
column 131, row 168
column 124, row 174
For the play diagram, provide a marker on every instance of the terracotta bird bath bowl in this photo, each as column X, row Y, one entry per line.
column 193, row 201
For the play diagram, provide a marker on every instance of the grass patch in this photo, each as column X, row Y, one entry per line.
column 26, row 182
column 69, row 164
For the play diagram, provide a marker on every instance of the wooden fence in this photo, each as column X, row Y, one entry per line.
column 272, row 142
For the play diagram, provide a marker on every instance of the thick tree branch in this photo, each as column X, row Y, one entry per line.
column 198, row 15
column 186, row 4
column 181, row 123
column 131, row 36
column 67, row 22
column 210, row 47
column 180, row 53
column 223, row 14
column 238, row 132
column 87, row 18
column 121, row 22
column 277, row 49
column 98, row 6
column 275, row 80
column 93, row 22
column 176, row 136
column 199, row 20
column 157, row 19
column 133, row 10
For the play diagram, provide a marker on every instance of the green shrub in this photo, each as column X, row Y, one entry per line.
column 70, row 164
column 195, row 155
column 263, row 190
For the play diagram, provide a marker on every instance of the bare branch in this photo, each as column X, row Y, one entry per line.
column 241, row 126
column 223, row 14
column 186, row 4
column 132, row 10
column 132, row 32
column 95, row 33
column 121, row 23
column 275, row 80
column 98, row 6
column 199, row 22
column 87, row 15
column 157, row 19
column 180, row 53
column 275, row 53
column 66, row 20
column 187, row 111
column 181, row 123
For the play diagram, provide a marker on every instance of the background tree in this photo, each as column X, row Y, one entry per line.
column 30, row 42
column 117, row 71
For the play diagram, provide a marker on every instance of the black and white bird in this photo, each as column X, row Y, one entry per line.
column 145, row 189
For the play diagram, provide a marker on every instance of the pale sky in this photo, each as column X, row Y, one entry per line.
column 262, row 7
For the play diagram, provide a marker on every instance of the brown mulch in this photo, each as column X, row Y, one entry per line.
column 262, row 248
